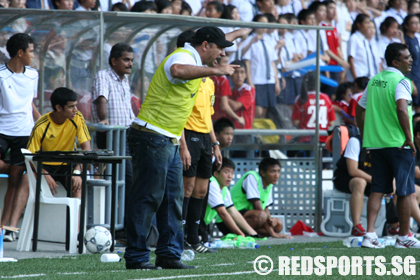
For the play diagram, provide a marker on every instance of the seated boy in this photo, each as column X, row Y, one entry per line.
column 252, row 195
column 223, row 129
column 243, row 96
column 57, row 131
column 220, row 205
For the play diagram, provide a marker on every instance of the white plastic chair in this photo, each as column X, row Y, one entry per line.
column 26, row 231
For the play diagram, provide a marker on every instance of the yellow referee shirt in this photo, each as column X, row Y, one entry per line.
column 200, row 118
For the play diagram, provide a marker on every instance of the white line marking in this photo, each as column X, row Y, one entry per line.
column 23, row 275
column 222, row 264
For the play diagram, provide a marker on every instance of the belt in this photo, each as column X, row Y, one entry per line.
column 136, row 126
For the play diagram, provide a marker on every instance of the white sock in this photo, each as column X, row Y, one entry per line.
column 403, row 237
column 371, row 235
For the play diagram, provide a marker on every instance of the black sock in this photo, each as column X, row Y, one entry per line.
column 193, row 219
column 185, row 209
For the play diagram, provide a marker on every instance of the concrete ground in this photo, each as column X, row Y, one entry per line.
column 54, row 250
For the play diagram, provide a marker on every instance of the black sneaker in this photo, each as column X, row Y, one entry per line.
column 167, row 263
column 142, row 266
column 200, row 248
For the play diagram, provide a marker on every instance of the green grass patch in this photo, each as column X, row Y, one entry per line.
column 235, row 264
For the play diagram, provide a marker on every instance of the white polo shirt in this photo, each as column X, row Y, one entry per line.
column 216, row 198
column 382, row 45
column 250, row 186
column 286, row 53
column 305, row 43
column 358, row 48
column 255, row 55
column 17, row 91
column 398, row 15
column 245, row 9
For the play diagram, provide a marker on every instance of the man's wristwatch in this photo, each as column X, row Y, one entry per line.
column 77, row 172
column 216, row 143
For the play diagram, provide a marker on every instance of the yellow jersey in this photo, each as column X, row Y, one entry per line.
column 200, row 118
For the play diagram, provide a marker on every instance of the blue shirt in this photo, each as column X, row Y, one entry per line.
column 414, row 48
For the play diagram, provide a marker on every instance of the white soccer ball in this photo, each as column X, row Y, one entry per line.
column 98, row 240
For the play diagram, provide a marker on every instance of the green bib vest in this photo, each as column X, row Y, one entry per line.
column 168, row 106
column 382, row 128
column 212, row 213
column 239, row 198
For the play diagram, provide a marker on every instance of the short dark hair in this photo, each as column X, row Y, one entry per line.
column 361, row 82
column 270, row 17
column 315, row 6
column 163, row 4
column 266, row 163
column 289, row 17
column 144, row 5
column 258, row 17
column 308, row 84
column 19, row 41
column 186, row 7
column 241, row 63
column 393, row 52
column 406, row 21
column 228, row 163
column 120, row 6
column 342, row 89
column 221, row 124
column 117, row 51
column 303, row 14
column 416, row 128
column 416, row 115
column 184, row 37
column 386, row 24
column 61, row 96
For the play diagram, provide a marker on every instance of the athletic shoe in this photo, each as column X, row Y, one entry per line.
column 358, row 230
column 409, row 242
column 393, row 231
column 9, row 236
column 371, row 243
column 200, row 248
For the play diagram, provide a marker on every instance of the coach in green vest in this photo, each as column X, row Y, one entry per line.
column 252, row 195
column 154, row 145
column 384, row 118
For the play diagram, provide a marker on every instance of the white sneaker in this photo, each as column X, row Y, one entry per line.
column 409, row 242
column 371, row 243
column 9, row 236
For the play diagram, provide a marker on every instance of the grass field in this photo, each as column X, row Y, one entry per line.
column 227, row 264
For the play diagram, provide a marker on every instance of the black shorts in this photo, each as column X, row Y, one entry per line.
column 14, row 143
column 101, row 140
column 59, row 173
column 390, row 163
column 243, row 211
column 200, row 148
column 223, row 228
column 342, row 183
column 265, row 95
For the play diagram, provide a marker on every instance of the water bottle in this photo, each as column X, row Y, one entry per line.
column 187, row 255
column 248, row 245
column 110, row 258
column 388, row 240
column 353, row 242
column 221, row 244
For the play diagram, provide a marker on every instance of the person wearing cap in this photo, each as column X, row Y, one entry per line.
column 154, row 144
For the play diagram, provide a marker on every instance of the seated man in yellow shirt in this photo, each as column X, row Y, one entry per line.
column 57, row 131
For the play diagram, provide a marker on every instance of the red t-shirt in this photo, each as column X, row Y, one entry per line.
column 342, row 104
column 246, row 95
column 353, row 103
column 135, row 104
column 306, row 114
column 221, row 88
column 332, row 40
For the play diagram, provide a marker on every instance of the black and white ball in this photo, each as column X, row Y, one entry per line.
column 98, row 240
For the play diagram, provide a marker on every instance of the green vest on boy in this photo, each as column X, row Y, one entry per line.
column 212, row 213
column 168, row 106
column 382, row 128
column 239, row 198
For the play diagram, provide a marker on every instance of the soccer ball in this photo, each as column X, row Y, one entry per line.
column 98, row 240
